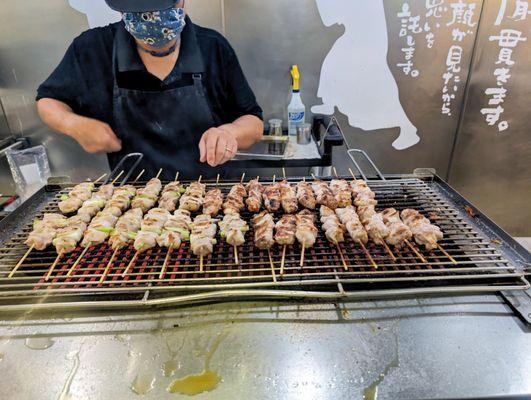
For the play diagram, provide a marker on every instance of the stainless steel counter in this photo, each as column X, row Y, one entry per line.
column 443, row 347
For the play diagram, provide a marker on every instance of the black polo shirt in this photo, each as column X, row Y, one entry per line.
column 84, row 78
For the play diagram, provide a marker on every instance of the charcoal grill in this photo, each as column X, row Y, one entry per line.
column 475, row 256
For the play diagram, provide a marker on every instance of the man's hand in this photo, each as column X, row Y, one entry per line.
column 217, row 146
column 93, row 135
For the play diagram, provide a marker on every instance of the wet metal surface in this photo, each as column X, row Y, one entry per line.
column 439, row 347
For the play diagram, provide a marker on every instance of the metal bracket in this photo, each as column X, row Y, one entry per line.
column 351, row 153
column 119, row 167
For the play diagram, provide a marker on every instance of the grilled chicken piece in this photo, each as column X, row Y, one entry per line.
column 398, row 231
column 374, row 224
column 151, row 228
column 146, row 198
column 120, row 200
column 99, row 229
column 255, row 191
column 44, row 230
column 306, row 232
column 213, row 202
column 202, row 238
column 125, row 229
column 176, row 229
column 104, row 192
column 192, row 199
column 67, row 238
column 286, row 228
column 263, row 230
column 288, row 197
column 90, row 208
column 305, row 195
column 324, row 194
column 76, row 197
column 342, row 192
column 233, row 229
column 271, row 197
column 334, row 231
column 349, row 218
column 363, row 195
column 423, row 230
column 170, row 196
column 234, row 202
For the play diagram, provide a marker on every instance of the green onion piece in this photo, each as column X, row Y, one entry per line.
column 64, row 197
column 106, row 230
column 222, row 234
column 182, row 190
column 132, row 235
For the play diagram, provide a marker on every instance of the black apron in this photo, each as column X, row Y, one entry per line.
column 166, row 126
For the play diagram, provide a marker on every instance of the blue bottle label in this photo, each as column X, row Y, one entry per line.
column 296, row 116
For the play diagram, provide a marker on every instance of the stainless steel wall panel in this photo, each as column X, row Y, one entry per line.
column 493, row 168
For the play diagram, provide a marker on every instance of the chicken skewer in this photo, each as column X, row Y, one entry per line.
column 375, row 227
column 424, row 232
column 306, row 232
column 264, row 225
column 285, row 230
column 324, row 194
column 271, row 196
column 66, row 240
column 171, row 194
column 72, row 201
column 193, row 198
column 42, row 235
column 255, row 192
column 349, row 218
column 399, row 232
column 93, row 205
column 151, row 228
column 234, row 202
column 213, row 201
column 341, row 190
column 146, row 198
column 176, row 230
column 334, row 230
column 288, row 197
column 202, row 238
column 232, row 229
column 305, row 195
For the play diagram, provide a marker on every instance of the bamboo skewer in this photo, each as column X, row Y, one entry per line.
column 176, row 176
column 303, row 250
column 158, row 174
column 77, row 261
column 420, row 256
column 166, row 262
column 100, row 178
column 139, row 176
column 201, row 264
column 345, row 266
column 236, row 260
column 50, row 271
column 130, row 265
column 272, row 266
column 388, row 250
column 243, row 177
column 446, row 254
column 199, row 179
column 371, row 260
column 20, row 262
column 217, row 179
column 118, row 177
column 108, row 267
column 283, row 260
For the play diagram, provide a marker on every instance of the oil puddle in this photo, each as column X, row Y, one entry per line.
column 371, row 392
column 143, row 383
column 206, row 381
column 195, row 384
column 39, row 343
column 169, row 368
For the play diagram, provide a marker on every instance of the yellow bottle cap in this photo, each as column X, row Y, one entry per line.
column 295, row 75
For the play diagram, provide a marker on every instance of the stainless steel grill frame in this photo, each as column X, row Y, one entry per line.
column 487, row 261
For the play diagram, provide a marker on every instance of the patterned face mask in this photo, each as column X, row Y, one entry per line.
column 156, row 28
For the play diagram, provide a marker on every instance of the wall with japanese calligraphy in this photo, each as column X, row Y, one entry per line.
column 492, row 160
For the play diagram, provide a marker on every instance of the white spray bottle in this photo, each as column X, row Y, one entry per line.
column 296, row 108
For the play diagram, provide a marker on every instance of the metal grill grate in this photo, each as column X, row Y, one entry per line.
column 478, row 266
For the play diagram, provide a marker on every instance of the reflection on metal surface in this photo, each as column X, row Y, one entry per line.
column 371, row 392
column 65, row 393
column 143, row 383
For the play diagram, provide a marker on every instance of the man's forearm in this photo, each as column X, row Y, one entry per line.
column 247, row 130
column 57, row 115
